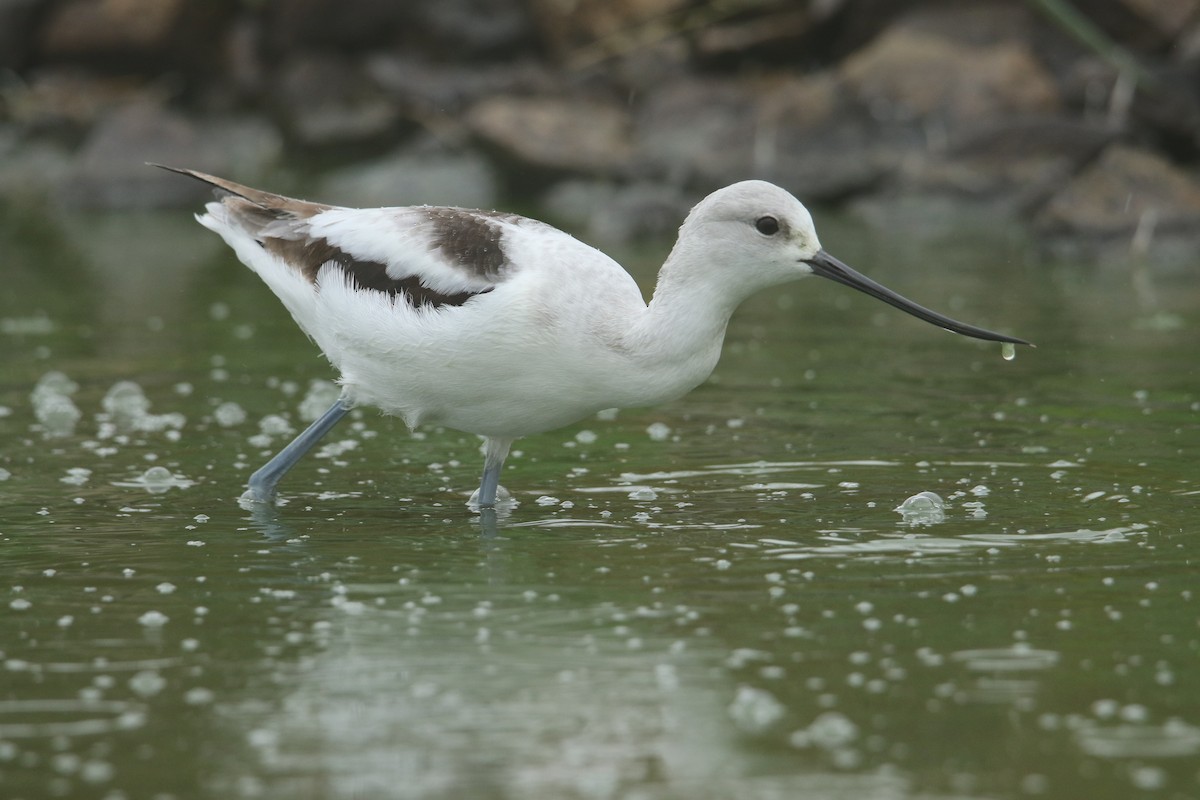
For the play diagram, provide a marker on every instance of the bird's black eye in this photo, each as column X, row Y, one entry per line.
column 767, row 226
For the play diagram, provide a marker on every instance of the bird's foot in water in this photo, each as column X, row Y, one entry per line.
column 255, row 498
column 504, row 500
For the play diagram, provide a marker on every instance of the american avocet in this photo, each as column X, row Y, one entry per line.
column 503, row 326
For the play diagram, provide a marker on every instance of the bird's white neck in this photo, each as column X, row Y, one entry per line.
column 678, row 337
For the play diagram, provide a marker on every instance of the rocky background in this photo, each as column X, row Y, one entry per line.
column 1081, row 118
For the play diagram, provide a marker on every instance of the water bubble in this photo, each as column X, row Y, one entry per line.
column 1008, row 351
column 755, row 710
column 54, row 382
column 198, row 696
column 147, row 683
column 832, row 730
column 153, row 619
column 229, row 414
column 126, row 401
column 275, row 425
column 659, row 431
column 320, row 396
column 923, row 508
column 76, row 476
column 129, row 408
column 52, row 404
column 156, row 479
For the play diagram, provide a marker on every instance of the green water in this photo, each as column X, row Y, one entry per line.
column 729, row 609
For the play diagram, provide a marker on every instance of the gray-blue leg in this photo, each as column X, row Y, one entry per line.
column 493, row 462
column 263, row 482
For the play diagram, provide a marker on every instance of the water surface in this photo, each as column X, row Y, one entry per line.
column 710, row 599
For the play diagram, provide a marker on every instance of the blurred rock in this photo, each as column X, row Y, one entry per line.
column 774, row 34
column 94, row 27
column 1138, row 25
column 296, row 26
column 910, row 74
column 555, row 134
column 452, row 30
column 70, row 100
column 1010, row 163
column 1123, row 189
column 799, row 132
column 1168, row 16
column 17, row 18
column 110, row 170
column 424, row 175
column 609, row 25
column 611, row 214
column 328, row 102
column 122, row 33
column 697, row 131
column 812, row 137
column 30, row 169
column 474, row 29
column 989, row 102
column 423, row 89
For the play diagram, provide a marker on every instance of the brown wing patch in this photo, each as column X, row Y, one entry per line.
column 310, row 255
column 472, row 239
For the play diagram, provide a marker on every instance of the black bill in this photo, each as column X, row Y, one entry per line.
column 827, row 266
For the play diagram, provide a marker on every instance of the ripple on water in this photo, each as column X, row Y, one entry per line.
column 752, row 468
column 97, row 664
column 1173, row 739
column 1018, row 658
column 912, row 543
column 25, row 719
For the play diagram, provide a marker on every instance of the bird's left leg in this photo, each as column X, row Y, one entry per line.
column 493, row 461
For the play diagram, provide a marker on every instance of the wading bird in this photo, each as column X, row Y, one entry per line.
column 503, row 326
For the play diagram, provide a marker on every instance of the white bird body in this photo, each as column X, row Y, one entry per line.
column 541, row 345
column 503, row 326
